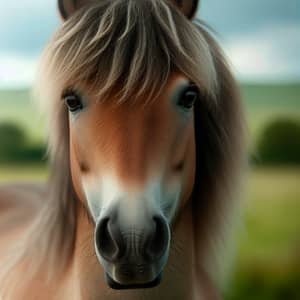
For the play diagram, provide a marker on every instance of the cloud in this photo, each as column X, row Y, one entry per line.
column 16, row 71
column 245, row 17
column 271, row 54
column 261, row 38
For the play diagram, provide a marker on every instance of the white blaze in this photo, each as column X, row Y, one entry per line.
column 134, row 202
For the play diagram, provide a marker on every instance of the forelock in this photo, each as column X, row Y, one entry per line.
column 125, row 47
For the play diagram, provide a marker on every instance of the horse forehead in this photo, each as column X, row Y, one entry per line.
column 128, row 115
column 128, row 140
column 136, row 113
column 131, row 126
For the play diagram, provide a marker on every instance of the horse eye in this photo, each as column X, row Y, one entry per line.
column 72, row 101
column 188, row 97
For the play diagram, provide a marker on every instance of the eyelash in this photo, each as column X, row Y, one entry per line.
column 188, row 97
column 72, row 100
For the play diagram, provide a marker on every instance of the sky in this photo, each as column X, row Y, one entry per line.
column 261, row 38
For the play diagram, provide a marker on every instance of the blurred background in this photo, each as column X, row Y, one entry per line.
column 262, row 42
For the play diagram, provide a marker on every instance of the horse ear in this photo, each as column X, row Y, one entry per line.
column 187, row 7
column 68, row 7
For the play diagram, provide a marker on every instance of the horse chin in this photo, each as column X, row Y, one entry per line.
column 119, row 286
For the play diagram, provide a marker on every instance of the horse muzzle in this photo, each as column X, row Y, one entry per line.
column 132, row 255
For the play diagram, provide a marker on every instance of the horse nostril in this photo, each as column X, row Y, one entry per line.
column 108, row 240
column 158, row 240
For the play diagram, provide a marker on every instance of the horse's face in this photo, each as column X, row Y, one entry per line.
column 133, row 166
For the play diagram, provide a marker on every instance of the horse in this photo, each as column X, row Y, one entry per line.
column 146, row 147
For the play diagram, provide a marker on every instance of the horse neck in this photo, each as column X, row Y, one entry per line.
column 85, row 276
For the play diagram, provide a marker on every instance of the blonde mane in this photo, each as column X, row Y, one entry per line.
column 129, row 48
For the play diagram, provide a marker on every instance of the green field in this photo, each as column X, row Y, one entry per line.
column 17, row 106
column 266, row 102
column 9, row 173
column 268, row 258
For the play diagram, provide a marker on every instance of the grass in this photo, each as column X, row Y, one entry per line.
column 37, row 172
column 268, row 258
column 266, row 102
column 17, row 107
column 272, row 215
